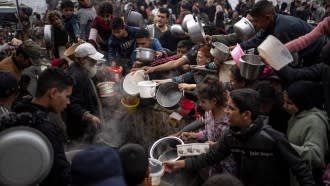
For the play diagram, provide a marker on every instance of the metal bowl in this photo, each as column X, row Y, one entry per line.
column 177, row 31
column 145, row 54
column 196, row 31
column 26, row 156
column 220, row 51
column 165, row 149
column 244, row 29
column 251, row 66
column 185, row 20
column 168, row 95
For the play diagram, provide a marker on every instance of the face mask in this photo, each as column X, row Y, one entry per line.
column 91, row 69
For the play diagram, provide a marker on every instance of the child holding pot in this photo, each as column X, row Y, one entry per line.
column 213, row 99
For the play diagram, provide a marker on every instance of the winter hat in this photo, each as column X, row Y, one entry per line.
column 8, row 84
column 98, row 166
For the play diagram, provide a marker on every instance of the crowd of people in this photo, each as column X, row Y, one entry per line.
column 270, row 131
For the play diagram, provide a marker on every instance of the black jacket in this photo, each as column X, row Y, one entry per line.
column 318, row 73
column 60, row 172
column 263, row 156
column 83, row 99
column 285, row 29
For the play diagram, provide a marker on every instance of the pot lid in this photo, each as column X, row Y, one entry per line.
column 26, row 156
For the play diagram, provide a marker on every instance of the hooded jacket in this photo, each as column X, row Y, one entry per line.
column 263, row 155
column 60, row 172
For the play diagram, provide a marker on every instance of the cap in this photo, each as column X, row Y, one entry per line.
column 99, row 166
column 31, row 49
column 8, row 84
column 88, row 50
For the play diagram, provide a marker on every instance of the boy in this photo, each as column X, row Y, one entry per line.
column 263, row 155
column 71, row 22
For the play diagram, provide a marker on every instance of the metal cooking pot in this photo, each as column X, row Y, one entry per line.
column 220, row 51
column 244, row 29
column 195, row 30
column 168, row 95
column 135, row 19
column 48, row 36
column 251, row 66
column 185, row 21
column 145, row 54
column 165, row 149
column 177, row 31
column 26, row 156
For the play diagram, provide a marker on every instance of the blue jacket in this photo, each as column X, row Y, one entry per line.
column 122, row 47
column 71, row 25
column 287, row 28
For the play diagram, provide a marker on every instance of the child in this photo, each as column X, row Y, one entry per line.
column 135, row 163
column 263, row 155
column 71, row 23
column 213, row 99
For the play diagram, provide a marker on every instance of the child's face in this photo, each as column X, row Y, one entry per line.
column 207, row 104
column 67, row 12
column 107, row 18
column 288, row 105
column 201, row 59
column 181, row 51
column 234, row 115
column 57, row 22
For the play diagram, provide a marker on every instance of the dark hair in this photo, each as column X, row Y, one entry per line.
column 185, row 44
column 53, row 78
column 237, row 75
column 267, row 91
column 19, row 50
column 261, row 8
column 135, row 163
column 164, row 11
column 186, row 5
column 223, row 180
column 142, row 33
column 105, row 8
column 117, row 23
column 210, row 88
column 246, row 100
column 67, row 4
column 63, row 62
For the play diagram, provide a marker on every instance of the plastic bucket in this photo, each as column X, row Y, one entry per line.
column 106, row 89
column 131, row 80
column 156, row 171
column 147, row 89
column 274, row 52
column 130, row 103
column 186, row 107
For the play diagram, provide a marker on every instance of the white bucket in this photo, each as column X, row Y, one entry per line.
column 131, row 80
column 147, row 89
column 274, row 52
column 156, row 171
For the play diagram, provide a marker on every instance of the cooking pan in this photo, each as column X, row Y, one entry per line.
column 26, row 156
column 168, row 95
column 195, row 30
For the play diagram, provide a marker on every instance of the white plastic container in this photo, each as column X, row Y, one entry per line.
column 156, row 171
column 147, row 89
column 274, row 52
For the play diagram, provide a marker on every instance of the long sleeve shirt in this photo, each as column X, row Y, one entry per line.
column 323, row 28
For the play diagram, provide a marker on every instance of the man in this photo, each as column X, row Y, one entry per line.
column 283, row 27
column 86, row 15
column 160, row 26
column 121, row 43
column 85, row 112
column 26, row 54
column 53, row 93
column 263, row 155
column 8, row 91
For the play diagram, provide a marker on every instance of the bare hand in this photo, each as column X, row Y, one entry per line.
column 171, row 166
column 208, row 38
column 96, row 122
column 148, row 69
column 162, row 81
column 186, row 86
column 185, row 136
column 159, row 54
column 15, row 42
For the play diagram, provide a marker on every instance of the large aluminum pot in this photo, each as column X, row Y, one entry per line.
column 177, row 31
column 48, row 36
column 251, row 66
column 135, row 19
column 196, row 31
column 185, row 20
column 168, row 95
column 145, row 54
column 220, row 51
column 244, row 29
column 26, row 156
column 165, row 149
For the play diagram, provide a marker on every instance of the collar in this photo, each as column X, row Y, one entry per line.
column 253, row 128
